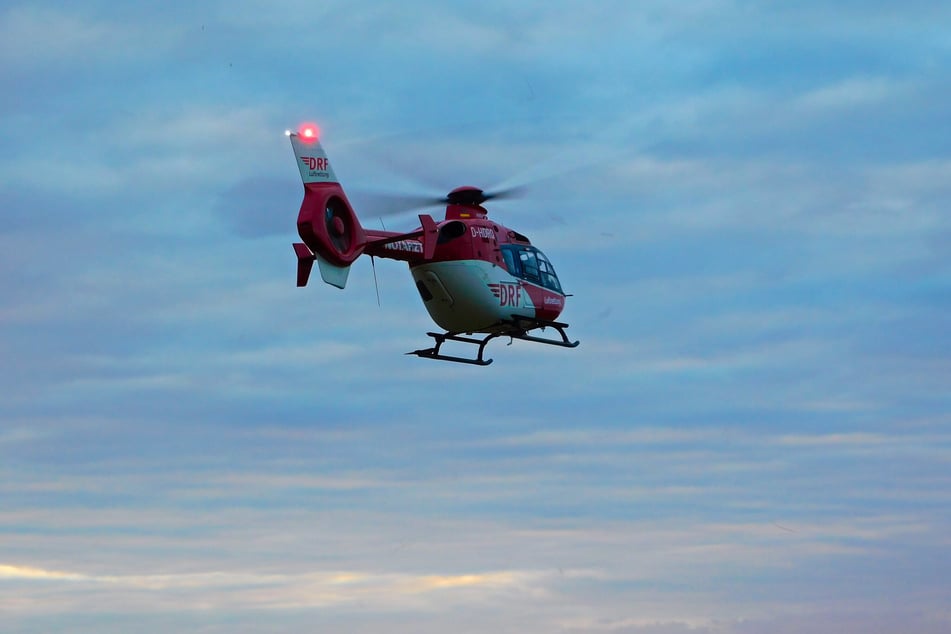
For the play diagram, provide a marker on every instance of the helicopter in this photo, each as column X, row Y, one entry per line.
column 475, row 276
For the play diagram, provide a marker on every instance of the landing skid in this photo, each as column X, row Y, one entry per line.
column 517, row 328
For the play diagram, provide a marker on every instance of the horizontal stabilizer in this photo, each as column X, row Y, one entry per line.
column 305, row 262
column 333, row 274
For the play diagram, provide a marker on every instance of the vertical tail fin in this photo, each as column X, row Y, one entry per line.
column 326, row 223
column 311, row 158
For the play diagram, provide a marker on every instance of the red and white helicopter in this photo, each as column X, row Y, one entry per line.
column 473, row 275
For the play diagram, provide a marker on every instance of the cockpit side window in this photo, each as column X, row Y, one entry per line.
column 511, row 262
column 549, row 279
column 528, row 263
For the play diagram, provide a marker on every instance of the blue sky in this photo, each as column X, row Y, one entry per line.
column 748, row 201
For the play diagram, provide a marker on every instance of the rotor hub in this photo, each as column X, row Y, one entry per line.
column 336, row 226
column 467, row 195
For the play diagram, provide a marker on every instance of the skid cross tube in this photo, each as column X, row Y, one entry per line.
column 433, row 353
column 532, row 324
column 517, row 328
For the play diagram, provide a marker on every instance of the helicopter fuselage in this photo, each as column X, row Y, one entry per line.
column 481, row 275
column 478, row 296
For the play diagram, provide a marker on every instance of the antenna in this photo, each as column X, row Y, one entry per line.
column 376, row 284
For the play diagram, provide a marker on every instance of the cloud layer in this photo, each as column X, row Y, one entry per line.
column 748, row 205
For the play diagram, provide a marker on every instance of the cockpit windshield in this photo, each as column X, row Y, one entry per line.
column 530, row 264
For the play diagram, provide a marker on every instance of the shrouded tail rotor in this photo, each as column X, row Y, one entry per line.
column 328, row 226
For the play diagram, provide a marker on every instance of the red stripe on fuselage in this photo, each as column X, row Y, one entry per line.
column 548, row 304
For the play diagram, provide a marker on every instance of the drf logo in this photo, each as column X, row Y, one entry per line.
column 316, row 162
column 509, row 293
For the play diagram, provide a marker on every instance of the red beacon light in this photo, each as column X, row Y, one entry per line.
column 308, row 132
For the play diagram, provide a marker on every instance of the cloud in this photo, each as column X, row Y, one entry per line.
column 37, row 36
column 259, row 206
column 748, row 203
column 848, row 95
column 27, row 572
column 834, row 619
column 260, row 591
column 859, row 439
column 41, row 38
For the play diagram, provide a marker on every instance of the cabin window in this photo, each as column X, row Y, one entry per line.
column 511, row 263
column 423, row 291
column 451, row 231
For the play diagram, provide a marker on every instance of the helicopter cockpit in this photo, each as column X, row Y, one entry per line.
column 530, row 264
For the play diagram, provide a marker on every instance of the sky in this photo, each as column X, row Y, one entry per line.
column 748, row 202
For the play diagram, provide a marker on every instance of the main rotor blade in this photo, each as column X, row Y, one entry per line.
column 512, row 192
column 381, row 205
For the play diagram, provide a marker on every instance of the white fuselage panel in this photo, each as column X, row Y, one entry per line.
column 466, row 296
